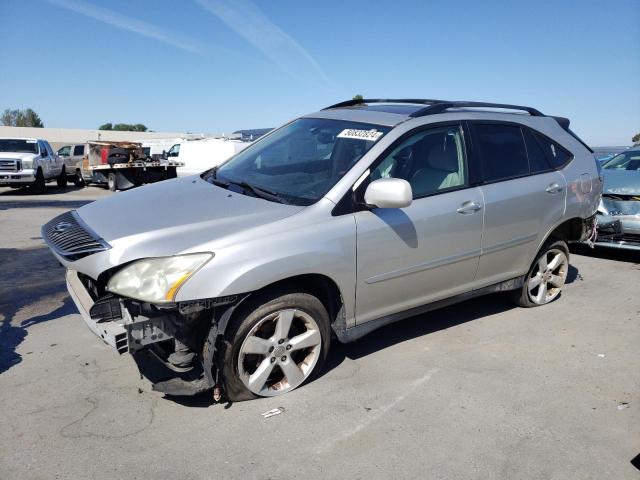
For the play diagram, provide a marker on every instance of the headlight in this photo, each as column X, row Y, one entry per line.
column 27, row 163
column 156, row 280
column 602, row 210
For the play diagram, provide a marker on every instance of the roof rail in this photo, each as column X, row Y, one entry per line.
column 440, row 107
column 351, row 103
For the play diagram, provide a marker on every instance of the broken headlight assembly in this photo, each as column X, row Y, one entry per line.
column 602, row 210
column 156, row 280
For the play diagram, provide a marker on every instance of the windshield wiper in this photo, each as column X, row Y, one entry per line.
column 210, row 174
column 261, row 192
column 257, row 191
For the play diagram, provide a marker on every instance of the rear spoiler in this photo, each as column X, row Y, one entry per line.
column 564, row 123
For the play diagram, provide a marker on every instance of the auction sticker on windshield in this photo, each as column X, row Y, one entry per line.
column 371, row 135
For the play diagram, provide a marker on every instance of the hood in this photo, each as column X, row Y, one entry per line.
column 621, row 182
column 17, row 155
column 174, row 216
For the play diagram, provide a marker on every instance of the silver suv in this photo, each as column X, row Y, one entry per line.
column 337, row 223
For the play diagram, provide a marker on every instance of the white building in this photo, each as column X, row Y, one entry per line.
column 58, row 137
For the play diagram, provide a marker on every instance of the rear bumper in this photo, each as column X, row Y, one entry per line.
column 111, row 333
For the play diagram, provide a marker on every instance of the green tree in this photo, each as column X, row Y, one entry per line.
column 29, row 118
column 636, row 139
column 9, row 117
column 21, row 118
column 124, row 127
column 358, row 97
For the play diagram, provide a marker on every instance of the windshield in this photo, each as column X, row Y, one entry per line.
column 624, row 161
column 300, row 162
column 22, row 146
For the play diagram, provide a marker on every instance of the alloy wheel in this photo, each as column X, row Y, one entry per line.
column 548, row 276
column 279, row 352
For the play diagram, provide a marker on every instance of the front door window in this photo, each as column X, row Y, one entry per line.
column 431, row 161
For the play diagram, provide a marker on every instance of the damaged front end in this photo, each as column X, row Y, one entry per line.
column 174, row 345
column 619, row 221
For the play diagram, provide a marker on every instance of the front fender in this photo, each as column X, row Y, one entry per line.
column 327, row 248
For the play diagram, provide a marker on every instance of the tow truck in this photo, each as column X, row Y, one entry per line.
column 123, row 165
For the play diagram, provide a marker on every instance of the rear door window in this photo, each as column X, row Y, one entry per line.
column 78, row 150
column 502, row 151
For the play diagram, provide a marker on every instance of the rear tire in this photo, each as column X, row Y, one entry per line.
column 275, row 343
column 112, row 182
column 61, row 181
column 118, row 155
column 546, row 277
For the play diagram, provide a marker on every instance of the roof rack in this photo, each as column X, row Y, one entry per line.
column 440, row 107
column 354, row 102
column 436, row 106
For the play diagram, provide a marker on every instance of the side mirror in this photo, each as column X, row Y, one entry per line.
column 389, row 193
column 43, row 154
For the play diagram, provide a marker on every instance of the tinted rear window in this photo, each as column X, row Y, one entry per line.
column 78, row 150
column 537, row 158
column 556, row 155
column 502, row 151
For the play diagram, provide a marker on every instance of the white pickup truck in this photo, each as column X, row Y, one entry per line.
column 30, row 162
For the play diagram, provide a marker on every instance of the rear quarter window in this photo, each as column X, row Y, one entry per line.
column 556, row 155
column 537, row 158
column 502, row 151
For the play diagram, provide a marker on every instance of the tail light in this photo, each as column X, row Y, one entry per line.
column 104, row 154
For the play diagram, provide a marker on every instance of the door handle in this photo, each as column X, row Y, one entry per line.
column 469, row 207
column 554, row 188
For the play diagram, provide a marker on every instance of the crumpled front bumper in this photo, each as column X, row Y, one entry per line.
column 111, row 332
column 619, row 231
column 109, row 318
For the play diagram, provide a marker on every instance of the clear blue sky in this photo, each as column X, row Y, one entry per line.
column 221, row 65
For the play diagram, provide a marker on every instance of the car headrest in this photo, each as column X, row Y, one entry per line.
column 633, row 165
column 443, row 157
column 404, row 154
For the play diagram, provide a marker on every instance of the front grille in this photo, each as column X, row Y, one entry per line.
column 70, row 238
column 632, row 238
column 9, row 165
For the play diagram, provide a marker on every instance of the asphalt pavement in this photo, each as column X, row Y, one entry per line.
column 477, row 390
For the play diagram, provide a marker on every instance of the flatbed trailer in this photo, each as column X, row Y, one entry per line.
column 122, row 165
column 122, row 176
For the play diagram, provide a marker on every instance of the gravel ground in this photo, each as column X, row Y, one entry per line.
column 477, row 390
